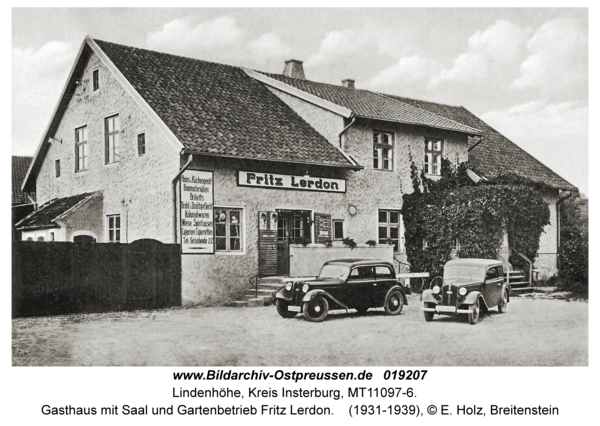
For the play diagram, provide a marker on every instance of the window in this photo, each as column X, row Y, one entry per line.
column 228, row 229
column 425, row 244
column 141, row 139
column 384, row 272
column 362, row 273
column 382, row 151
column 95, row 80
column 389, row 228
column 338, row 229
column 491, row 274
column 81, row 149
column 433, row 156
column 57, row 168
column 114, row 228
column 111, row 132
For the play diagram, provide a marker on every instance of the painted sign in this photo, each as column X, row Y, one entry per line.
column 302, row 183
column 196, row 212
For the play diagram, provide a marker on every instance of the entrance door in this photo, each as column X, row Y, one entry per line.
column 292, row 228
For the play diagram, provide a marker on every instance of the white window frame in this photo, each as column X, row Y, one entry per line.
column 86, row 148
column 333, row 222
column 380, row 146
column 108, row 216
column 431, row 154
column 242, row 250
column 117, row 138
column 400, row 226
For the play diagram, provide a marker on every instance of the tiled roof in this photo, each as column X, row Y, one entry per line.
column 47, row 214
column 365, row 103
column 217, row 109
column 496, row 154
column 20, row 165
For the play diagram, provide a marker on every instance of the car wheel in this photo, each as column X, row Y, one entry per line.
column 394, row 302
column 282, row 309
column 361, row 309
column 429, row 315
column 474, row 314
column 502, row 304
column 316, row 310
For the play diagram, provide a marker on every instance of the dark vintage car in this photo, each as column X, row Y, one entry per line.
column 343, row 284
column 467, row 287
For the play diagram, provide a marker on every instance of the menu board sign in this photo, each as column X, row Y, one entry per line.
column 196, row 212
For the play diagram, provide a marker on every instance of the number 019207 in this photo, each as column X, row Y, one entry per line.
column 404, row 374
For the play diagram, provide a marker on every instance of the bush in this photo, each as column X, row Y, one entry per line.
column 574, row 248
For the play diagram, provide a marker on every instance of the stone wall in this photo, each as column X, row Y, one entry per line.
column 137, row 187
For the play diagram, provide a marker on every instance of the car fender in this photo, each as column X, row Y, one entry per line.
column 284, row 294
column 428, row 297
column 313, row 293
column 472, row 298
column 396, row 287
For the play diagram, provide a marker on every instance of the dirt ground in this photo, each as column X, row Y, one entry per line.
column 534, row 331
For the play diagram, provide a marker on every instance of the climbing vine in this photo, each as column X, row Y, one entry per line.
column 439, row 212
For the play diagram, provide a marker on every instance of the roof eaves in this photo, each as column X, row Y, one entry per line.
column 320, row 102
column 43, row 206
column 76, row 206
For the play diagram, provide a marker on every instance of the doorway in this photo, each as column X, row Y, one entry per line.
column 293, row 227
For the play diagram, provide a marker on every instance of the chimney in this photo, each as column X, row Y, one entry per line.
column 293, row 68
column 348, row 83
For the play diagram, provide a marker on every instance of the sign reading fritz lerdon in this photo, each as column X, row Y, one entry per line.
column 302, row 183
column 197, row 217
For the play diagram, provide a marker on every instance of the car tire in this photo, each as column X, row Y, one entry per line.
column 316, row 310
column 429, row 315
column 282, row 309
column 502, row 304
column 394, row 302
column 474, row 314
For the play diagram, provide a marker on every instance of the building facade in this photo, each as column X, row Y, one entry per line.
column 275, row 165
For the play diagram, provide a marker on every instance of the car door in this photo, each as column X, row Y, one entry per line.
column 384, row 279
column 359, row 289
column 492, row 286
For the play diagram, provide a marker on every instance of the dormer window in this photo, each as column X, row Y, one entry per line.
column 383, row 147
column 434, row 149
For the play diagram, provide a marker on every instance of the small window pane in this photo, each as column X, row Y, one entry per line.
column 394, row 217
column 383, row 233
column 393, row 232
column 375, row 163
column 220, row 230
column 234, row 244
column 383, row 216
column 221, row 243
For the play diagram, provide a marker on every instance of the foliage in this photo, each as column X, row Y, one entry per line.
column 328, row 243
column 574, row 245
column 349, row 242
column 372, row 243
column 455, row 206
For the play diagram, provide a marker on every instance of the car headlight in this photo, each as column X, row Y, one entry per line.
column 435, row 289
column 462, row 291
column 288, row 286
column 305, row 288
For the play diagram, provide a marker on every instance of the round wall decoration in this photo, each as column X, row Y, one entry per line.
column 352, row 210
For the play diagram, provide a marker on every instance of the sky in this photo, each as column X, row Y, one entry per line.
column 524, row 71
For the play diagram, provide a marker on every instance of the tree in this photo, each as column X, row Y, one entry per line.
column 574, row 245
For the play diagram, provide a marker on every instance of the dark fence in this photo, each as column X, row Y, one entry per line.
column 51, row 278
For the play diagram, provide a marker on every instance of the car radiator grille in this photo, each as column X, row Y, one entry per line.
column 449, row 295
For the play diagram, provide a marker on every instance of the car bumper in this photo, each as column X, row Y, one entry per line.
column 446, row 310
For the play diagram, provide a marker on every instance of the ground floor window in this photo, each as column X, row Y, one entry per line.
column 228, row 229
column 338, row 229
column 114, row 228
column 389, row 228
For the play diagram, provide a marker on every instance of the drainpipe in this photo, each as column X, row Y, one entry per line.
column 344, row 131
column 174, row 193
column 558, row 230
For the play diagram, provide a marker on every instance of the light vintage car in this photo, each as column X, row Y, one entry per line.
column 467, row 287
column 343, row 284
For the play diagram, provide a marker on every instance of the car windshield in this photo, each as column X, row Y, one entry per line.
column 464, row 272
column 334, row 271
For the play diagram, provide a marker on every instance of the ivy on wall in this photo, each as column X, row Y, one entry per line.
column 437, row 212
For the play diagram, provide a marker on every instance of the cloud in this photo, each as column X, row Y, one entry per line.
column 557, row 59
column 267, row 46
column 409, row 69
column 181, row 37
column 38, row 76
column 489, row 53
column 338, row 44
column 554, row 133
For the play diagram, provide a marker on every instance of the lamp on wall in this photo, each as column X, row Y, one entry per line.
column 52, row 140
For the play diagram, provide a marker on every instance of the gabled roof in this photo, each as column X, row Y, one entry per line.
column 47, row 215
column 364, row 103
column 19, row 170
column 203, row 107
column 496, row 154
